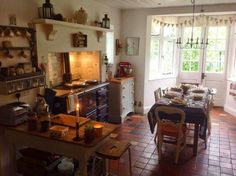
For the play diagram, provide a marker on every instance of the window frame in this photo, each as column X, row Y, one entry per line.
column 160, row 74
column 181, row 53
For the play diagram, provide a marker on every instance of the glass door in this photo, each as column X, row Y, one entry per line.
column 214, row 62
column 206, row 66
column 191, row 58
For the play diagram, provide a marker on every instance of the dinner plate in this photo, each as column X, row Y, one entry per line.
column 177, row 104
column 176, row 89
column 197, row 98
column 173, row 102
column 198, row 91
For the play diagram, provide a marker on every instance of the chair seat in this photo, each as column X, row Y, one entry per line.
column 170, row 131
column 113, row 149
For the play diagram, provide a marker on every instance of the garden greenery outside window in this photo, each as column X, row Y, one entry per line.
column 191, row 56
column 214, row 53
column 215, row 56
column 164, row 53
column 162, row 50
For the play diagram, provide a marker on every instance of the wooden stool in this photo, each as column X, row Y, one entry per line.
column 113, row 150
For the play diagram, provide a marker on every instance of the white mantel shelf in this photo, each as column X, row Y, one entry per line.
column 53, row 30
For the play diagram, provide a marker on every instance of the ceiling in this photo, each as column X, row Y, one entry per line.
column 131, row 4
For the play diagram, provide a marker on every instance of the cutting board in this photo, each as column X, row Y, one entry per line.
column 68, row 120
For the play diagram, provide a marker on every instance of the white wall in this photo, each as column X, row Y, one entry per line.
column 230, row 101
column 27, row 10
column 134, row 24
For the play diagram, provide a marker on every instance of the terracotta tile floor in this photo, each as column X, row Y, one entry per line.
column 219, row 159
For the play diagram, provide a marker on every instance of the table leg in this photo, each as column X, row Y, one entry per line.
column 83, row 168
column 195, row 142
column 7, row 156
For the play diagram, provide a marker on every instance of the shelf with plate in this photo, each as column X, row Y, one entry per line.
column 52, row 24
column 14, row 48
column 18, row 83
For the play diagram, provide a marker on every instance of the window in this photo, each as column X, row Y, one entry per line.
column 216, row 49
column 191, row 56
column 110, row 46
column 214, row 55
column 162, row 50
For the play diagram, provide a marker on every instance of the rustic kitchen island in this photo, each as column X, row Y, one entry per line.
column 66, row 146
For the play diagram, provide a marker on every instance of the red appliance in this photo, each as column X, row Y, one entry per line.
column 124, row 69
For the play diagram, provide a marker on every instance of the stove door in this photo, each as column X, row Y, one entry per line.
column 87, row 103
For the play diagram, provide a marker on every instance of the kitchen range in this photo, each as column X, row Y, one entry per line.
column 91, row 95
column 78, row 82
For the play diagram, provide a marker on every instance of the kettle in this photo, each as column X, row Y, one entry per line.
column 41, row 107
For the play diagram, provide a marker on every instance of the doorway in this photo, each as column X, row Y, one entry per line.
column 206, row 66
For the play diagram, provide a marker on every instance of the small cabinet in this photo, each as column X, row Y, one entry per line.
column 121, row 99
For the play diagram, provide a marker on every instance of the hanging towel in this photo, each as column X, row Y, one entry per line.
column 72, row 100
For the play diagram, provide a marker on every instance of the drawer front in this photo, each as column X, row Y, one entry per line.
column 102, row 114
column 127, row 87
column 127, row 108
column 102, row 96
column 128, row 97
column 127, row 92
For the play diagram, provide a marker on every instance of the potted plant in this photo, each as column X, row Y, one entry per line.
column 88, row 133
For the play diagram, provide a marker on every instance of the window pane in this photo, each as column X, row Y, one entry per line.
column 155, row 28
column 192, row 58
column 110, row 46
column 154, row 56
column 169, row 31
column 186, row 66
column 215, row 57
column 191, row 55
column 188, row 33
column 167, row 57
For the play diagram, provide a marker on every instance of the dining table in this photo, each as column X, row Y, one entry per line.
column 10, row 137
column 194, row 105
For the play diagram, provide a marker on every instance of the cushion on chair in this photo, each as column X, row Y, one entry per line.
column 170, row 131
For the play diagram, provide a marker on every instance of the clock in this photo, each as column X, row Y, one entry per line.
column 132, row 45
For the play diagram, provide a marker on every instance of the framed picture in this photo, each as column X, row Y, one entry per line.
column 132, row 45
column 79, row 40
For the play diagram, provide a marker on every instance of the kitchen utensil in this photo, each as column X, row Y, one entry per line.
column 27, row 67
column 6, row 44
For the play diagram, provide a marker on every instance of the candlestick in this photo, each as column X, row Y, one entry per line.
column 77, row 109
column 77, row 138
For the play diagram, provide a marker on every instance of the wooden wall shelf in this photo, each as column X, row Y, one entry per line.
column 14, row 84
column 54, row 23
column 15, row 48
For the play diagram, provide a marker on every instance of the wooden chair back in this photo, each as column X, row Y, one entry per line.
column 157, row 94
column 170, row 119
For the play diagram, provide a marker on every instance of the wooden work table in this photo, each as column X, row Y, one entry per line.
column 10, row 136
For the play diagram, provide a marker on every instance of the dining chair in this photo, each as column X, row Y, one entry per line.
column 171, row 128
column 209, row 107
column 157, row 94
column 164, row 91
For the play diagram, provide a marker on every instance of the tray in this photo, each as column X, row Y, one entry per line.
column 68, row 120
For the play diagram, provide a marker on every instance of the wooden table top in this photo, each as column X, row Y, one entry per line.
column 107, row 130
